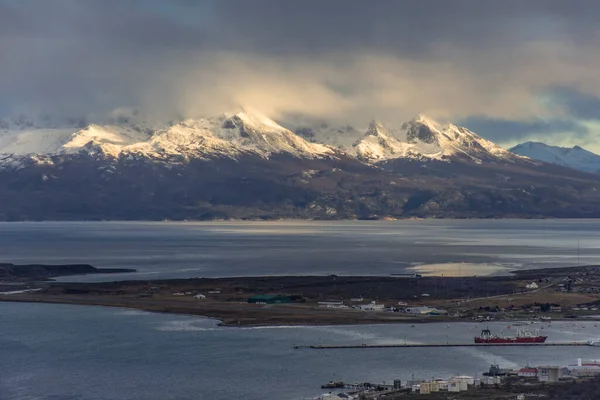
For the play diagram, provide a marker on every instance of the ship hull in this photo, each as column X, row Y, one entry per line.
column 497, row 340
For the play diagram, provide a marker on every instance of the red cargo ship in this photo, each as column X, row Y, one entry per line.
column 523, row 336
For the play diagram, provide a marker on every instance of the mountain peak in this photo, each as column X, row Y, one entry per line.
column 248, row 118
column 376, row 129
column 574, row 157
column 378, row 143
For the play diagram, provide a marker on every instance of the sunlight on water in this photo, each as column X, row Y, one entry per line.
column 460, row 269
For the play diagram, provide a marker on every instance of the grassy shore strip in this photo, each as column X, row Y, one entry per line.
column 226, row 299
column 237, row 314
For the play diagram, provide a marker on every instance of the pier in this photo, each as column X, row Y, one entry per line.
column 388, row 346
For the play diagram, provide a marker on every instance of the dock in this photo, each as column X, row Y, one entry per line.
column 421, row 345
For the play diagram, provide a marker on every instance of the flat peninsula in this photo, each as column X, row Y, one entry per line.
column 570, row 292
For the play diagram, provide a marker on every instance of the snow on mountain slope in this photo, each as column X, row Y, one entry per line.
column 575, row 157
column 228, row 135
column 246, row 132
column 33, row 141
column 423, row 138
column 111, row 139
column 342, row 137
column 255, row 132
column 379, row 143
column 189, row 139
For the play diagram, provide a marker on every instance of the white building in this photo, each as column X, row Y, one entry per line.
column 584, row 369
column 531, row 285
column 528, row 372
column 550, row 373
column 454, row 387
column 464, row 378
column 372, row 306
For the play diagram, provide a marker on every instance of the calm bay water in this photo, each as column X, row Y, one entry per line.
column 160, row 250
column 55, row 352
column 59, row 352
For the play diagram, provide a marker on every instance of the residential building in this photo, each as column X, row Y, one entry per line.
column 528, row 372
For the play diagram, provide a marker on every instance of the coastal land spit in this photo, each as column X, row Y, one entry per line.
column 556, row 293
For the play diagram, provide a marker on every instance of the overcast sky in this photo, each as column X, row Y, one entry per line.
column 511, row 70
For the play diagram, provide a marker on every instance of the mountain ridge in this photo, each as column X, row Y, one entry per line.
column 247, row 166
column 574, row 157
column 229, row 135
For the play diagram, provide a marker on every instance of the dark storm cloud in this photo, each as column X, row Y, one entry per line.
column 386, row 59
column 580, row 105
column 407, row 27
column 402, row 26
column 76, row 56
column 274, row 26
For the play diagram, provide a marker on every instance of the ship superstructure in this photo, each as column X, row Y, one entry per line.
column 522, row 336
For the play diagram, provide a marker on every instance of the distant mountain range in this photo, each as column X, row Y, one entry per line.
column 574, row 157
column 245, row 165
column 231, row 135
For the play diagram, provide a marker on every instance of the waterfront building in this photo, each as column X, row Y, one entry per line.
column 583, row 369
column 549, row 373
column 528, row 372
column 372, row 306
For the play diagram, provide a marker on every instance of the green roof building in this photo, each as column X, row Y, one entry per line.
column 269, row 299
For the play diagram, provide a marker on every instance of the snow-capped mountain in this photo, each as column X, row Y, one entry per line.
column 110, row 138
column 379, row 143
column 423, row 138
column 246, row 132
column 341, row 137
column 245, row 165
column 574, row 157
column 227, row 135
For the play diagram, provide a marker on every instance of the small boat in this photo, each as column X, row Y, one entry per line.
column 594, row 342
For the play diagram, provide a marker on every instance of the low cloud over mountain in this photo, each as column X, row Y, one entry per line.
column 529, row 67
